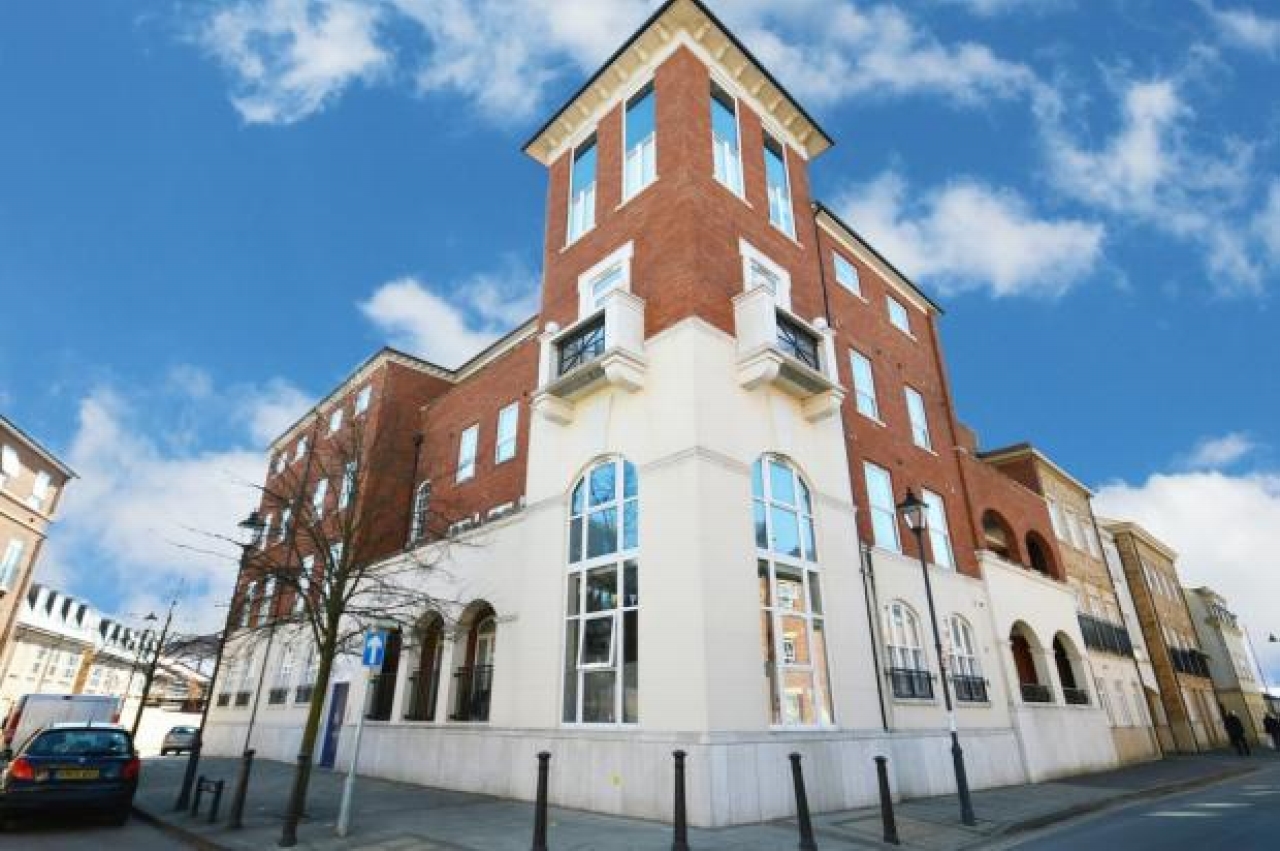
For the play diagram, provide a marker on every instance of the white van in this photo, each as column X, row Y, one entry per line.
column 34, row 711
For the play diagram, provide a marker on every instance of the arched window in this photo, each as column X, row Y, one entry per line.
column 966, row 672
column 1038, row 554
column 997, row 537
column 421, row 511
column 908, row 668
column 794, row 626
column 473, row 682
column 424, row 682
column 601, row 662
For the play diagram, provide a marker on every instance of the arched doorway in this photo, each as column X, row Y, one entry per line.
column 1070, row 675
column 382, row 687
column 998, row 537
column 1031, row 681
column 1038, row 555
column 424, row 682
column 473, row 682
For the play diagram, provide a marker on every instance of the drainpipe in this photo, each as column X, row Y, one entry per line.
column 869, row 593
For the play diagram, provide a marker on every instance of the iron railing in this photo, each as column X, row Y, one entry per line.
column 224, row 699
column 382, row 691
column 471, row 690
column 1105, row 636
column 582, row 346
column 1189, row 662
column 277, row 696
column 302, row 694
column 1036, row 693
column 242, row 698
column 798, row 342
column 911, row 683
column 970, row 689
column 1075, row 696
column 422, row 698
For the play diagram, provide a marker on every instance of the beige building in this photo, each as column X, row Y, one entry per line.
column 31, row 484
column 1114, row 657
column 1230, row 664
column 1194, row 721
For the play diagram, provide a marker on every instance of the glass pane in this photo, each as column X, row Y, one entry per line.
column 598, row 697
column 631, row 667
column 815, row 593
column 770, row 667
column 820, row 671
column 584, row 166
column 603, row 488
column 602, row 533
column 630, row 524
column 810, row 546
column 790, row 589
column 762, row 572
column 786, row 532
column 781, row 483
column 640, row 118
column 570, row 714
column 575, row 539
column 631, row 584
column 757, row 480
column 762, row 528
column 795, row 640
column 630, row 487
column 597, row 641
column 797, row 697
column 805, row 502
column 602, row 589
column 723, row 121
column 576, row 502
column 573, row 598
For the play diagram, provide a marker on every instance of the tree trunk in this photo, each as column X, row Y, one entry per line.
column 306, row 750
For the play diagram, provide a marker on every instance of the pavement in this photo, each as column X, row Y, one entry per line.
column 83, row 834
column 390, row 816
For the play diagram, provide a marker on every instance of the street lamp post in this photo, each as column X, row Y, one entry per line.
column 151, row 667
column 913, row 510
column 253, row 526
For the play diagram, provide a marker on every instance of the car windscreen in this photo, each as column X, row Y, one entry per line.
column 79, row 743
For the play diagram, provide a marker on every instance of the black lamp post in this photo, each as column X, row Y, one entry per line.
column 913, row 510
column 152, row 665
column 253, row 528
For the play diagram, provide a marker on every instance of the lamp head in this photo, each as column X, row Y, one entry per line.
column 912, row 509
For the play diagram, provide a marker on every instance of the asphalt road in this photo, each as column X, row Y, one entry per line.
column 76, row 833
column 1242, row 814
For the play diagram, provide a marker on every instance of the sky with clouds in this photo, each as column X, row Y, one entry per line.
column 211, row 211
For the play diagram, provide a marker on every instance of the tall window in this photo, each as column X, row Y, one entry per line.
column 10, row 464
column 266, row 603
column 348, row 485
column 898, row 315
column 884, row 512
column 39, row 490
column 641, row 165
column 939, row 531
column 792, row 617
column 335, row 420
column 964, row 656
column 421, row 511
column 9, row 564
column 265, row 535
column 300, row 449
column 864, row 385
column 847, row 275
column 919, row 420
column 467, row 453
column 601, row 662
column 582, row 190
column 775, row 175
column 724, row 139
column 362, row 399
column 902, row 637
column 508, row 420
column 286, row 517
column 318, row 498
column 305, row 577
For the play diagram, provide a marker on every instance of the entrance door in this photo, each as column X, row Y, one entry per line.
column 333, row 725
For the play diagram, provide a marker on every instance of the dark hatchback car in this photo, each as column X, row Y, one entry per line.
column 68, row 767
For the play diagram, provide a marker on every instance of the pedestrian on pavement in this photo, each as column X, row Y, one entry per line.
column 1272, row 726
column 1235, row 732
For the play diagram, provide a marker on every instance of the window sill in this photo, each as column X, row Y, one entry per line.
column 855, row 293
column 870, row 418
column 907, row 334
column 925, row 449
column 973, row 704
column 577, row 239
column 727, row 188
column 915, row 701
column 791, row 237
column 634, row 195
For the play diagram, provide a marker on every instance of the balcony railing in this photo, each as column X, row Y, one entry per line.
column 970, row 689
column 422, row 698
column 912, row 684
column 582, row 345
column 777, row 349
column 1189, row 662
column 224, row 699
column 1036, row 693
column 606, row 350
column 382, row 691
column 471, row 690
column 1105, row 636
column 1075, row 696
column 302, row 694
column 798, row 342
column 242, row 698
column 277, row 696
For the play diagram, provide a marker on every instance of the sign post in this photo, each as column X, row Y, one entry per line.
column 375, row 649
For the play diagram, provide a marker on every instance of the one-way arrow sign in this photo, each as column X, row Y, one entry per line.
column 375, row 647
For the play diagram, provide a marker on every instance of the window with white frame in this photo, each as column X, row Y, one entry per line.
column 601, row 651
column 318, row 497
column 508, row 421
column 247, row 602
column 724, row 139
column 284, row 673
column 266, row 602
column 348, row 490
column 305, row 577
column 286, row 518
column 1055, row 517
column 898, row 315
column 781, row 213
column 10, row 465
column 40, row 490
column 1091, row 538
column 1122, row 699
column 306, row 683
column 9, row 564
column 335, row 556
column 264, row 536
column 640, row 163
column 939, row 530
column 279, row 463
column 421, row 512
column 864, row 385
column 964, row 654
column 793, row 620
column 300, row 449
column 847, row 274
column 1104, row 698
column 902, row 638
column 335, row 420
column 363, row 398
column 582, row 189
column 467, row 453
column 884, row 511
column 919, row 419
column 758, row 270
column 611, row 273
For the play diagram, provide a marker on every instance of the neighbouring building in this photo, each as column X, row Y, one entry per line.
column 1230, row 663
column 1194, row 721
column 31, row 483
column 669, row 501
column 1113, row 660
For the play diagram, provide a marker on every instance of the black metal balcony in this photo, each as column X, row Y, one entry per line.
column 471, row 690
column 1191, row 662
column 582, row 346
column 382, row 691
column 302, row 694
column 1105, row 636
column 224, row 699
column 277, row 696
column 1036, row 693
column 422, row 698
column 242, row 698
column 969, row 689
column 798, row 342
column 910, row 683
column 1075, row 696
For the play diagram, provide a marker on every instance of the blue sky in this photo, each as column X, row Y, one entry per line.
column 210, row 212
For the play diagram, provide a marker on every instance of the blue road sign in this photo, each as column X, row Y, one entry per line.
column 375, row 647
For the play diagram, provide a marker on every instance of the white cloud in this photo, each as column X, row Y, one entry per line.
column 969, row 236
column 271, row 409
column 1223, row 528
column 448, row 331
column 1214, row 453
column 1266, row 226
column 989, row 8
column 289, row 58
column 1244, row 28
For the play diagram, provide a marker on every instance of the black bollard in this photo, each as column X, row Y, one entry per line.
column 886, row 802
column 236, row 819
column 679, row 825
column 195, row 800
column 540, row 805
column 189, row 775
column 807, row 842
column 217, row 799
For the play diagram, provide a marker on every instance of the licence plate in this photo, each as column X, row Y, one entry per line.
column 77, row 774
